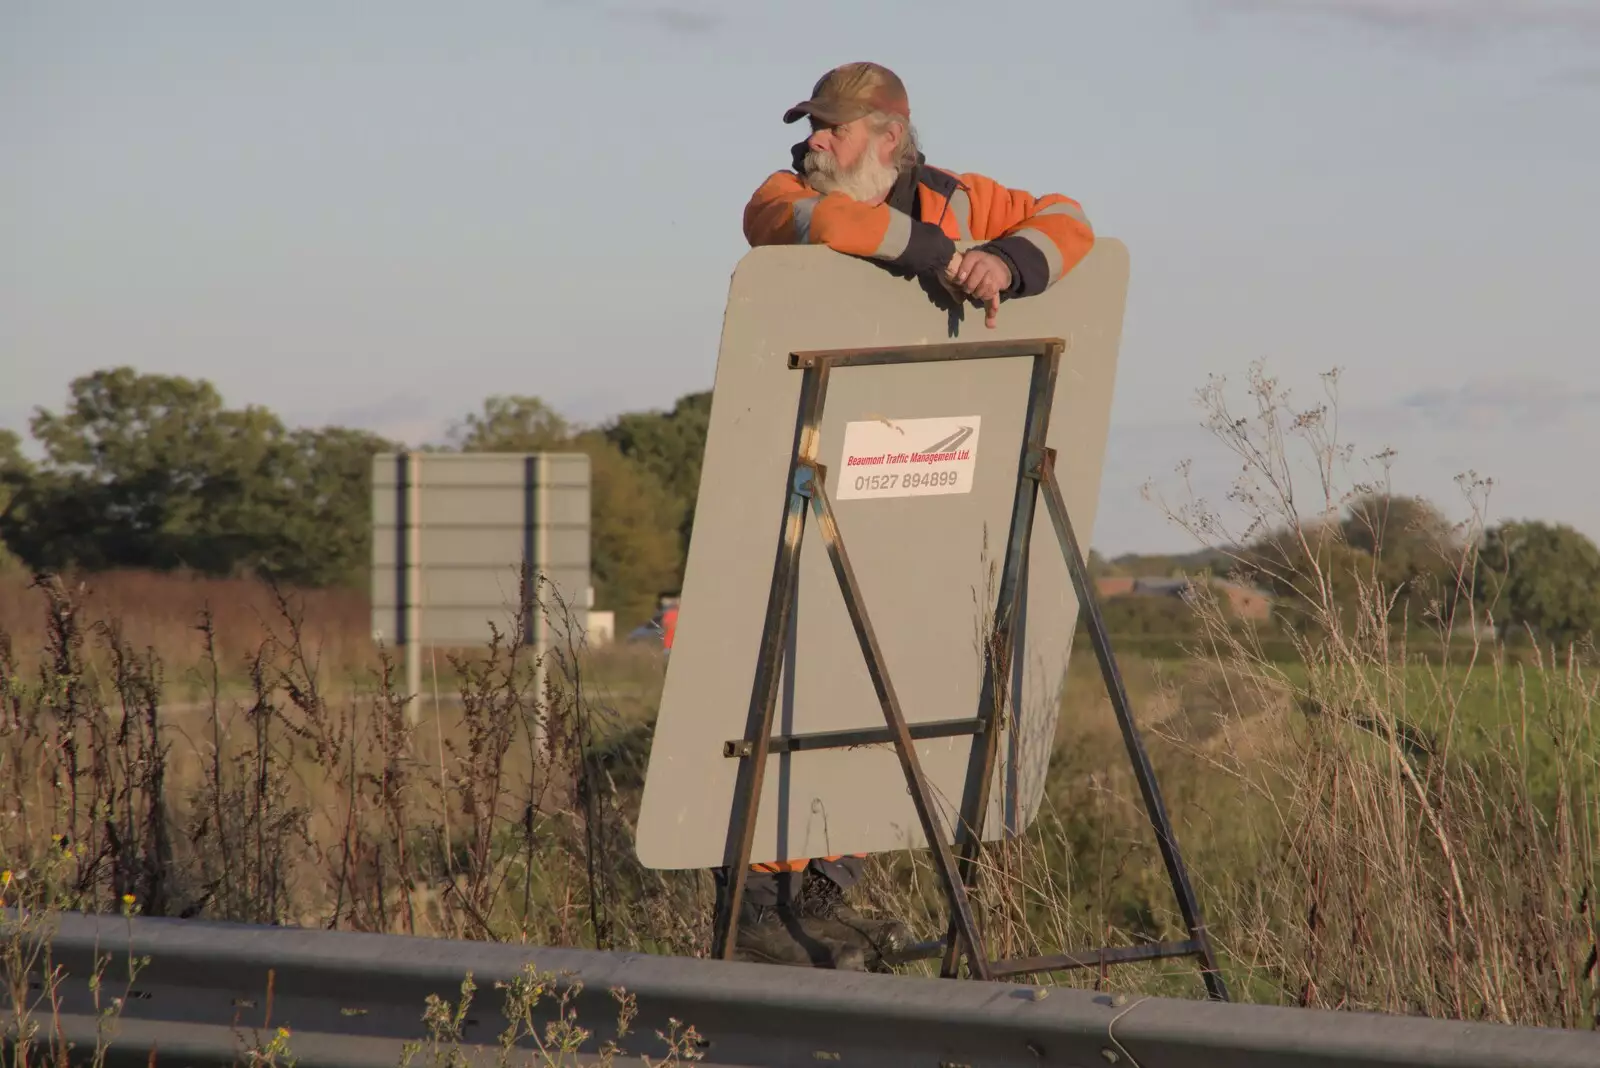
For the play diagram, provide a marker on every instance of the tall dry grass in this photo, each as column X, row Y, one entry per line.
column 1365, row 829
column 500, row 813
column 1409, row 870
column 159, row 613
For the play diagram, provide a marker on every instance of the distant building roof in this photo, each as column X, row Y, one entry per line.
column 1161, row 585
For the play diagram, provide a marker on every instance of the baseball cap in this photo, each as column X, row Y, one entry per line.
column 848, row 92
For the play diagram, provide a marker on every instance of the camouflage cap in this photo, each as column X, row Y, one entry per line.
column 851, row 91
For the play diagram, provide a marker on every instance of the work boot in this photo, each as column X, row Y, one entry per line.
column 880, row 940
column 781, row 936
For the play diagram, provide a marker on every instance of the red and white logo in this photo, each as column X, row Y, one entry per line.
column 908, row 457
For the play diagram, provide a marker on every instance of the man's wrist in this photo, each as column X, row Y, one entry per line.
column 929, row 249
column 1007, row 249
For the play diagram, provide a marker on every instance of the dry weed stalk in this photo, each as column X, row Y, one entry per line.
column 292, row 806
column 1363, row 831
column 1412, row 873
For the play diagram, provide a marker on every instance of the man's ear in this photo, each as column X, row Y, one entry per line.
column 893, row 138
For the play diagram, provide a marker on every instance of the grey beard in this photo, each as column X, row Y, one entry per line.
column 868, row 180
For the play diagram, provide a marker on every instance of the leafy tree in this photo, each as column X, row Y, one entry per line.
column 1400, row 549
column 329, row 525
column 1146, row 565
column 512, row 424
column 637, row 553
column 635, row 520
column 670, row 446
column 1542, row 576
column 144, row 471
column 15, row 471
column 1399, row 528
column 1416, row 553
column 152, row 471
column 1311, row 571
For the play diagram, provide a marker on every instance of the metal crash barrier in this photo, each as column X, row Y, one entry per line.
column 211, row 992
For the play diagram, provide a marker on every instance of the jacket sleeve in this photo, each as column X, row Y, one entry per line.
column 1041, row 238
column 786, row 211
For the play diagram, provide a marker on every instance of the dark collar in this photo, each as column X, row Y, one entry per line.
column 903, row 194
column 906, row 191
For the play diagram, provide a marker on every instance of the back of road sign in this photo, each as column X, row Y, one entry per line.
column 452, row 531
column 922, row 463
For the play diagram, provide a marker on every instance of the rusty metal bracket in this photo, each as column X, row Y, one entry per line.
column 956, row 856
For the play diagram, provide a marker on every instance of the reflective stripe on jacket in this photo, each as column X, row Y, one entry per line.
column 1040, row 237
column 778, row 867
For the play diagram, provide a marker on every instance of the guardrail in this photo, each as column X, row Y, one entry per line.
column 353, row 1000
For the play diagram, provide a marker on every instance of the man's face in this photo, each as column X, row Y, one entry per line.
column 851, row 159
column 846, row 143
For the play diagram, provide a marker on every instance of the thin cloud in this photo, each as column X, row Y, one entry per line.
column 1454, row 27
column 1582, row 77
column 1505, row 403
column 1442, row 20
column 674, row 18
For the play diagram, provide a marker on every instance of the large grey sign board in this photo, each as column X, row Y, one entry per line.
column 926, row 554
column 451, row 532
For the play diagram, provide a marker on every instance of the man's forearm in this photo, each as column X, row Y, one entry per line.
column 785, row 212
column 1040, row 238
column 928, row 249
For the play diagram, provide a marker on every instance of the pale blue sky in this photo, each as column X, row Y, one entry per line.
column 378, row 214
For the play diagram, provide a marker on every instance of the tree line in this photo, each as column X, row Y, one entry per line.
column 1402, row 559
column 157, row 472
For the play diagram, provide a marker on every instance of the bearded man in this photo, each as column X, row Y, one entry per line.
column 860, row 186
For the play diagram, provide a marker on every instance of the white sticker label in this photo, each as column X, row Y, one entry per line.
column 908, row 457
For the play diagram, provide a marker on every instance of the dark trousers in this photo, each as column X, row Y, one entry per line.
column 764, row 889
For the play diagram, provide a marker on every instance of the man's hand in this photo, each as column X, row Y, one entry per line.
column 983, row 276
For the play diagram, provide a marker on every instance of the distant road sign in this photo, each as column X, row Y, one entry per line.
column 451, row 532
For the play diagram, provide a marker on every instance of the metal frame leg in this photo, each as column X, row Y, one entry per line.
column 1166, row 839
column 769, row 664
column 998, row 654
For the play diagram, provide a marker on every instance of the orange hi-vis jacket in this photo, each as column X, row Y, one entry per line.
column 669, row 626
column 1040, row 238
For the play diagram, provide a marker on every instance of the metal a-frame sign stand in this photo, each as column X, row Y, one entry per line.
column 957, row 861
